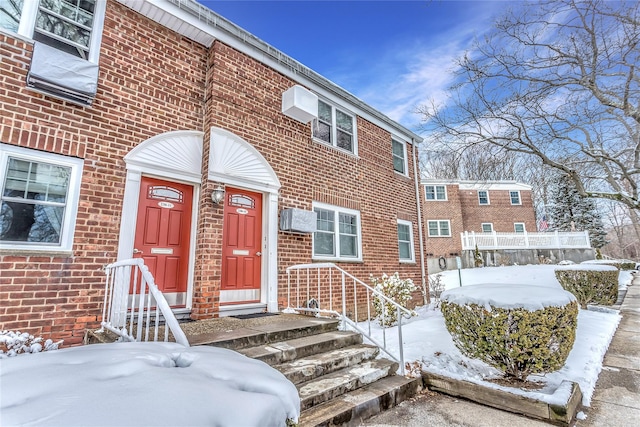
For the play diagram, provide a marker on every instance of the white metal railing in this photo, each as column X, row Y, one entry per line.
column 134, row 307
column 546, row 240
column 336, row 293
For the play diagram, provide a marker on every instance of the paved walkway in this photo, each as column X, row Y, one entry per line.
column 615, row 402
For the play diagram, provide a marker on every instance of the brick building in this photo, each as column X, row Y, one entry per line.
column 123, row 120
column 453, row 207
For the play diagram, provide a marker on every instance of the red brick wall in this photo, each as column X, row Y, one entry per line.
column 500, row 211
column 450, row 209
column 151, row 81
column 246, row 100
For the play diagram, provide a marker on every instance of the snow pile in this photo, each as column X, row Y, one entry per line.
column 14, row 343
column 135, row 384
column 509, row 296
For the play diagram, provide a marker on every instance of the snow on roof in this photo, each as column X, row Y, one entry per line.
column 587, row 266
column 509, row 296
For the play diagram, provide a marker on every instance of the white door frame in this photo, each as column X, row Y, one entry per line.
column 172, row 156
column 235, row 162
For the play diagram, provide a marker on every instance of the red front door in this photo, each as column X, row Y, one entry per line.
column 163, row 233
column 241, row 252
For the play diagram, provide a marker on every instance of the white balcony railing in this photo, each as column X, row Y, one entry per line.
column 547, row 240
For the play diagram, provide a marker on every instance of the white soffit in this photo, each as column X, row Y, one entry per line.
column 180, row 24
column 176, row 154
column 234, row 160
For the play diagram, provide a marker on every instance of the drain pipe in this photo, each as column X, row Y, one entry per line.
column 423, row 272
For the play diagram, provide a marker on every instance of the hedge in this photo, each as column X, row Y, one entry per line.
column 590, row 285
column 515, row 340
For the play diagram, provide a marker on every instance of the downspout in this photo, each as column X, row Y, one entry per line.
column 423, row 271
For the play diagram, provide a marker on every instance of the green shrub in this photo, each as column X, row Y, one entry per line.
column 394, row 288
column 517, row 341
column 590, row 286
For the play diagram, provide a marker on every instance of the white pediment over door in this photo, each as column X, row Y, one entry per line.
column 234, row 161
column 176, row 154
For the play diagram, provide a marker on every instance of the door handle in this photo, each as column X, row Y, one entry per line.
column 258, row 253
column 137, row 251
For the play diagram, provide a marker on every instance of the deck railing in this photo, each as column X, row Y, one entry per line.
column 547, row 240
column 327, row 290
column 134, row 308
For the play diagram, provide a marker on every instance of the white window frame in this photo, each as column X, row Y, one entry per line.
column 336, row 234
column 511, row 197
column 68, row 224
column 435, row 193
column 490, row 224
column 515, row 227
column 27, row 25
column 439, row 221
column 405, row 163
column 480, row 199
column 412, row 257
column 334, row 128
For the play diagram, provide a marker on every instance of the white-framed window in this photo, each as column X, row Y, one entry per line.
column 483, row 197
column 335, row 127
column 72, row 26
column 519, row 227
column 439, row 228
column 435, row 192
column 39, row 199
column 338, row 235
column 487, row 227
column 515, row 197
column 405, row 241
column 399, row 152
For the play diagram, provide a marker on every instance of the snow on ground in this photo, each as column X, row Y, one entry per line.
column 166, row 384
column 427, row 340
column 139, row 384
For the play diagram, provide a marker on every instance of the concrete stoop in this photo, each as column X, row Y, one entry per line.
column 339, row 379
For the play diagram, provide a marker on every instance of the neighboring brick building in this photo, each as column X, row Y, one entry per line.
column 453, row 207
column 158, row 105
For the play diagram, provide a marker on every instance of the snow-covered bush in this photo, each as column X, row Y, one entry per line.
column 519, row 329
column 590, row 285
column 620, row 264
column 14, row 343
column 436, row 287
column 394, row 288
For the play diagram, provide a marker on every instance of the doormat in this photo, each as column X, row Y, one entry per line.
column 254, row 315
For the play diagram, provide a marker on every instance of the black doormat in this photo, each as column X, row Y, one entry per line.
column 254, row 315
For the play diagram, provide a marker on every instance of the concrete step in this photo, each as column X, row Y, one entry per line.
column 328, row 386
column 316, row 365
column 353, row 407
column 285, row 351
column 244, row 334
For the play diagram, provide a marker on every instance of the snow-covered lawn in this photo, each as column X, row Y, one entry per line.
column 139, row 384
column 427, row 340
column 143, row 384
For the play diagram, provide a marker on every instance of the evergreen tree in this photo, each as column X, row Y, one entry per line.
column 570, row 211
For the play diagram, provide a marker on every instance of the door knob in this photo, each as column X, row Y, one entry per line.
column 137, row 251
column 258, row 253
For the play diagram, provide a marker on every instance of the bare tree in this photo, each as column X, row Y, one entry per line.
column 557, row 80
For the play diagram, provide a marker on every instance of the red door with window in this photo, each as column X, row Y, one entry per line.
column 163, row 231
column 241, row 252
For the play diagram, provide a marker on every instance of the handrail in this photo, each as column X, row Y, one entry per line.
column 322, row 295
column 132, row 299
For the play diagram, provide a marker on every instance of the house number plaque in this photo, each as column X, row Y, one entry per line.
column 242, row 211
column 166, row 205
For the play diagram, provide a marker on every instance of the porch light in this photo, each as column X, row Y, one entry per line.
column 217, row 195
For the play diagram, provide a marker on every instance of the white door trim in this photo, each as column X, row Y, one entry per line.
column 172, row 156
column 235, row 162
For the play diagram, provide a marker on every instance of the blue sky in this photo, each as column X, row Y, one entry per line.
column 394, row 55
